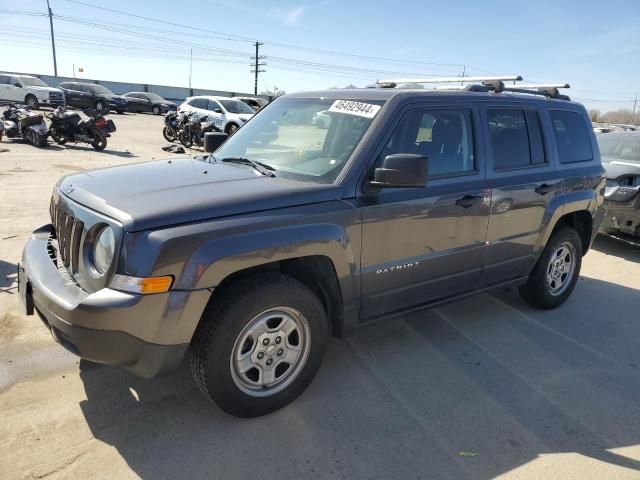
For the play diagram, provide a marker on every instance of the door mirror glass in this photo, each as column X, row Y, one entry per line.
column 17, row 84
column 217, row 110
column 402, row 170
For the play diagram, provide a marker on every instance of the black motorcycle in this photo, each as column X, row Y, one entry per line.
column 170, row 130
column 68, row 126
column 20, row 122
column 193, row 127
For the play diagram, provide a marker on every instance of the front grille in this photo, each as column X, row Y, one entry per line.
column 68, row 233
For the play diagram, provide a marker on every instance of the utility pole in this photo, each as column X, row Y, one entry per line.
column 190, row 65
column 633, row 115
column 53, row 41
column 256, row 67
column 464, row 71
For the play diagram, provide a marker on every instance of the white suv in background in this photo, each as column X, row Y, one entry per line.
column 29, row 90
column 226, row 113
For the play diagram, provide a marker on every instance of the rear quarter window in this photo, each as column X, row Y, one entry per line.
column 572, row 137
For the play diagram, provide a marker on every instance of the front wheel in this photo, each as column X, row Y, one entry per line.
column 31, row 101
column 231, row 129
column 185, row 138
column 260, row 345
column 156, row 110
column 99, row 140
column 57, row 137
column 555, row 275
column 169, row 134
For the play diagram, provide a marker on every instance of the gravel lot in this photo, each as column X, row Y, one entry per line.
column 483, row 388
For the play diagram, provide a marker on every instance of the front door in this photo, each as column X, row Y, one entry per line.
column 424, row 244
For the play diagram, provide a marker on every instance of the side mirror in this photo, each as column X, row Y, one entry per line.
column 212, row 140
column 17, row 84
column 402, row 170
column 217, row 110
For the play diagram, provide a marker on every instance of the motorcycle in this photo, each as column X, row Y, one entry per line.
column 170, row 130
column 68, row 126
column 193, row 128
column 19, row 122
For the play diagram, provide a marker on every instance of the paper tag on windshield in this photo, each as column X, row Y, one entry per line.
column 360, row 109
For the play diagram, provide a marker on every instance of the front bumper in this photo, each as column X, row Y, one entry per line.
column 105, row 326
column 622, row 216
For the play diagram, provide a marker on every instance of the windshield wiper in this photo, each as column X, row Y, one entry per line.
column 261, row 167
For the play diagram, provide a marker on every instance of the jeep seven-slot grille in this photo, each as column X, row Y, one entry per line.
column 68, row 233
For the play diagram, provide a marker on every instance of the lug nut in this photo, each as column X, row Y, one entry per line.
column 280, row 352
column 278, row 340
column 269, row 361
column 265, row 342
column 260, row 355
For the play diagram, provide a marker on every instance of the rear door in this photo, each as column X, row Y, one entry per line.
column 523, row 184
column 424, row 244
column 5, row 81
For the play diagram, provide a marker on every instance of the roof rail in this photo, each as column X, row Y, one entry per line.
column 547, row 89
column 394, row 82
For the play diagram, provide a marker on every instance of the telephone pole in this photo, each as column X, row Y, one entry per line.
column 635, row 104
column 53, row 41
column 256, row 66
column 190, row 65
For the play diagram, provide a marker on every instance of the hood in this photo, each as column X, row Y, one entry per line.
column 116, row 98
column 43, row 89
column 154, row 194
column 616, row 167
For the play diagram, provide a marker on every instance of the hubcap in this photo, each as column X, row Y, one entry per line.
column 560, row 269
column 270, row 352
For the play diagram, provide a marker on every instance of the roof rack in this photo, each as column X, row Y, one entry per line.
column 487, row 81
column 546, row 89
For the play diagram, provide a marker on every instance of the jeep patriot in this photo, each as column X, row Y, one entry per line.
column 246, row 259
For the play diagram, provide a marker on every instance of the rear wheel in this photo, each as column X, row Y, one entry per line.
column 185, row 138
column 99, row 140
column 259, row 347
column 156, row 110
column 31, row 101
column 58, row 138
column 100, row 105
column 556, row 273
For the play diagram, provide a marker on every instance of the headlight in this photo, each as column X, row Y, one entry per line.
column 103, row 250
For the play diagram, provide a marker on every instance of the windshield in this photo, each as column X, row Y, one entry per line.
column 619, row 146
column 287, row 136
column 101, row 90
column 33, row 82
column 236, row 106
column 154, row 97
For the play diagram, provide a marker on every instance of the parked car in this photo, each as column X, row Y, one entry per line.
column 621, row 159
column 29, row 90
column 92, row 95
column 256, row 103
column 248, row 258
column 148, row 102
column 227, row 114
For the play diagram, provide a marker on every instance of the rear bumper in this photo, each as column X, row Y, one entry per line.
column 94, row 326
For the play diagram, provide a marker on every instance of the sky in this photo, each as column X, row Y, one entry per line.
column 317, row 44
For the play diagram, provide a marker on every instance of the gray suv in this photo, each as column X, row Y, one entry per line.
column 246, row 259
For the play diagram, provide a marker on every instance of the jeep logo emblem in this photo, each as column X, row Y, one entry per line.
column 67, row 189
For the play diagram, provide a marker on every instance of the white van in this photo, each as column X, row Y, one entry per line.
column 29, row 90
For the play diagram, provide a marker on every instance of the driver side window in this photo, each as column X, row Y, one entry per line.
column 444, row 136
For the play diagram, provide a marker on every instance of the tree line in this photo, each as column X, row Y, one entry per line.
column 623, row 116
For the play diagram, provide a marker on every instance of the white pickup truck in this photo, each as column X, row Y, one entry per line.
column 28, row 90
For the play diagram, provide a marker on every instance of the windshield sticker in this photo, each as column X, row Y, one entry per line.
column 367, row 110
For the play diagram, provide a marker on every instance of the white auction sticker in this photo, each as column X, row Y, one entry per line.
column 367, row 110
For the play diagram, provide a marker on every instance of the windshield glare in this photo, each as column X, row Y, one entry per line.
column 619, row 146
column 236, row 106
column 33, row 82
column 155, row 97
column 288, row 136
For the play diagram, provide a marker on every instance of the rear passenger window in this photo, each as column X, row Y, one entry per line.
column 444, row 136
column 516, row 138
column 572, row 137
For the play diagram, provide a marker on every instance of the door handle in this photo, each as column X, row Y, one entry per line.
column 469, row 201
column 544, row 189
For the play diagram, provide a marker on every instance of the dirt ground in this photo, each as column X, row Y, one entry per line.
column 483, row 388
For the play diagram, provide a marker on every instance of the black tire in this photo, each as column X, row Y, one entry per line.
column 223, row 323
column 156, row 110
column 231, row 129
column 185, row 138
column 119, row 111
column 40, row 140
column 169, row 134
column 59, row 139
column 31, row 101
column 538, row 292
column 99, row 140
